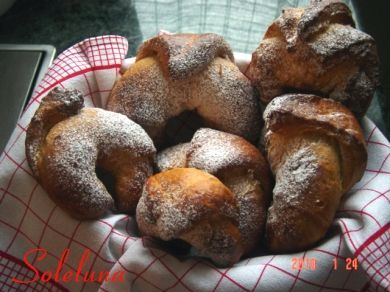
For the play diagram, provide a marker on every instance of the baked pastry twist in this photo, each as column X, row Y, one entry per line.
column 317, row 50
column 194, row 206
column 317, row 152
column 238, row 164
column 65, row 143
column 187, row 72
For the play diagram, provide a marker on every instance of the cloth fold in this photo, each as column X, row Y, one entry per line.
column 39, row 240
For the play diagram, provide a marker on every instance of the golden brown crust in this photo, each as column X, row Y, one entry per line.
column 183, row 55
column 173, row 157
column 59, row 104
column 192, row 205
column 317, row 152
column 151, row 92
column 64, row 153
column 317, row 50
column 238, row 164
column 306, row 194
column 309, row 113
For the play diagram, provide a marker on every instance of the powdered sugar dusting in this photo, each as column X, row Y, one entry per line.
column 294, row 176
column 229, row 158
column 170, row 215
column 213, row 151
column 78, row 144
column 214, row 239
column 184, row 55
column 172, row 157
column 144, row 100
column 252, row 202
column 221, row 95
column 227, row 101
column 192, row 212
column 325, row 56
column 173, row 205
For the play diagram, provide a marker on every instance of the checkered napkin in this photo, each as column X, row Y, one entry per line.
column 30, row 220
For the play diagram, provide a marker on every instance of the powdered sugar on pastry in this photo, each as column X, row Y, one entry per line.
column 150, row 93
column 172, row 157
column 294, row 176
column 71, row 149
column 194, row 206
column 238, row 164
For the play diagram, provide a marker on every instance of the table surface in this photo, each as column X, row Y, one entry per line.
column 242, row 23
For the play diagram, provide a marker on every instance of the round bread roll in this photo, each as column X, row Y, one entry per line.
column 238, row 164
column 317, row 50
column 66, row 143
column 187, row 72
column 194, row 206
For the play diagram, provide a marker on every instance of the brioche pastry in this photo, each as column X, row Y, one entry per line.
column 317, row 152
column 187, row 72
column 238, row 164
column 194, row 206
column 66, row 143
column 317, row 50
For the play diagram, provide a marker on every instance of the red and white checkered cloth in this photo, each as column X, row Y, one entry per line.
column 29, row 219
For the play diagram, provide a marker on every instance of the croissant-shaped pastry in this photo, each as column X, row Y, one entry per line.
column 317, row 50
column 187, row 72
column 317, row 152
column 66, row 143
column 194, row 206
column 238, row 164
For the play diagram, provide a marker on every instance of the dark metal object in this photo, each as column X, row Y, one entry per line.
column 21, row 68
